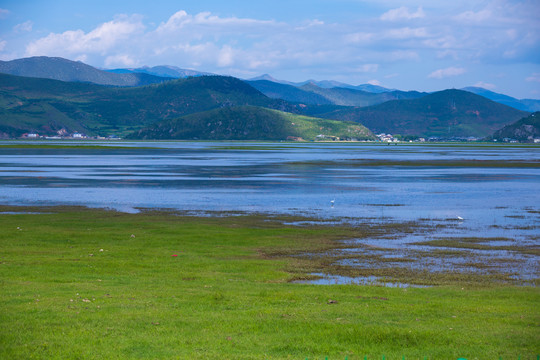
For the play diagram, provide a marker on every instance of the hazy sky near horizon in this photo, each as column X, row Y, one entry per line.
column 418, row 44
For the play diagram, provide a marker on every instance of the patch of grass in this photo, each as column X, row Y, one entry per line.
column 96, row 284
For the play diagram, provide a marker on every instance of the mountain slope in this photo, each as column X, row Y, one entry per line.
column 524, row 130
column 448, row 113
column 46, row 106
column 67, row 70
column 250, row 123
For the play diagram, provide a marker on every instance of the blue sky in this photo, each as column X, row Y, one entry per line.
column 419, row 44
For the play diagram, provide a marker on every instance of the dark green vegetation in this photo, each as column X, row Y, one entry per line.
column 66, row 70
column 252, row 123
column 447, row 113
column 93, row 284
column 524, row 130
column 46, row 106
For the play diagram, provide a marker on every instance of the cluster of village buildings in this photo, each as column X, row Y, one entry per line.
column 389, row 138
column 63, row 134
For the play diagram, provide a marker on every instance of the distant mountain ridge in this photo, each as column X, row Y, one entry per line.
column 162, row 71
column 74, row 71
column 530, row 105
column 325, row 84
column 67, row 70
column 311, row 93
column 523, row 104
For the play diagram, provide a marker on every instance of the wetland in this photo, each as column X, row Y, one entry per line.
column 435, row 211
column 225, row 250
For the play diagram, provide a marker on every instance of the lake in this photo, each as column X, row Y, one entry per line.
column 474, row 190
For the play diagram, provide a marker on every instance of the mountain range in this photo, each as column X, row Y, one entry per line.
column 162, row 71
column 67, row 70
column 47, row 95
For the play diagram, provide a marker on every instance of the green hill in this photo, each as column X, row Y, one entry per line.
column 46, row 106
column 251, row 123
column 524, row 130
column 445, row 114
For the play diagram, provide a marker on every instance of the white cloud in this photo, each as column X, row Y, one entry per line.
column 312, row 47
column 404, row 55
column 359, row 37
column 374, row 82
column 120, row 60
column 4, row 13
column 23, row 27
column 105, row 37
column 444, row 42
column 82, row 58
column 406, row 33
column 402, row 13
column 535, row 77
column 368, row 68
column 471, row 16
column 205, row 20
column 444, row 73
column 447, row 54
column 485, row 85
column 226, row 56
column 3, row 44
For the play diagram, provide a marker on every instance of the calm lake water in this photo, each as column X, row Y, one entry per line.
column 493, row 189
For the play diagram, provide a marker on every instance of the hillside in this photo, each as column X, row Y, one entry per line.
column 67, row 70
column 523, row 130
column 46, row 106
column 445, row 114
column 250, row 123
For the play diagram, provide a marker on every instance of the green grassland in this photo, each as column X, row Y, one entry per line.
column 80, row 283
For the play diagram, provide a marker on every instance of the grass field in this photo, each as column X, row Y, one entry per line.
column 80, row 283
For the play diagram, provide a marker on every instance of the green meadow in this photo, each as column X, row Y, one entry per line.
column 79, row 283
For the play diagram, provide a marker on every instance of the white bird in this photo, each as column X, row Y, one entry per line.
column 332, row 202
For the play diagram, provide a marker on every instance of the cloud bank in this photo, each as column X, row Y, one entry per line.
column 248, row 45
